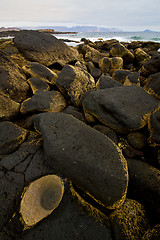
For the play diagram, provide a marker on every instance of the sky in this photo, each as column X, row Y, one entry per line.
column 128, row 15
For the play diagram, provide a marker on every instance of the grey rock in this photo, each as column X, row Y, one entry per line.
column 9, row 109
column 151, row 66
column 74, row 82
column 120, row 75
column 108, row 132
column 35, row 69
column 106, row 81
column 113, row 106
column 74, row 112
column 51, row 101
column 154, row 128
column 152, row 85
column 90, row 159
column 11, row 137
column 38, row 85
column 137, row 140
column 44, row 48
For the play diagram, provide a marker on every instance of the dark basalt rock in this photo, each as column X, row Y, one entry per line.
column 90, row 159
column 119, row 50
column 113, row 106
column 96, row 73
column 13, row 83
column 120, row 75
column 44, row 48
column 144, row 186
column 137, row 140
column 49, row 101
column 106, row 81
column 151, row 66
column 154, row 128
column 71, row 220
column 38, row 85
column 74, row 82
column 11, row 137
column 141, row 55
column 129, row 221
column 35, row 69
column 132, row 78
column 152, row 234
column 108, row 132
column 74, row 112
column 152, row 85
column 8, row 108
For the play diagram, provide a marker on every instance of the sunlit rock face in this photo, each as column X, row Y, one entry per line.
column 41, row 198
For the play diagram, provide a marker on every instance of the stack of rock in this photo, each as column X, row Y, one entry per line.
column 79, row 139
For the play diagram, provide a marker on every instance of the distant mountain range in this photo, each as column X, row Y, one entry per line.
column 81, row 29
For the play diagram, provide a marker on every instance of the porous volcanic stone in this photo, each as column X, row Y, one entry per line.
column 120, row 75
column 44, row 48
column 119, row 50
column 113, row 106
column 86, row 156
column 106, row 81
column 144, row 185
column 13, row 82
column 74, row 82
column 151, row 66
column 152, row 234
column 132, row 78
column 8, row 108
column 38, row 85
column 35, row 69
column 51, row 101
column 141, row 55
column 108, row 132
column 154, row 128
column 152, row 85
column 11, row 137
column 137, row 140
column 129, row 221
column 74, row 112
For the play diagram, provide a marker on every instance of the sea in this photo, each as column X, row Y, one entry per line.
column 102, row 36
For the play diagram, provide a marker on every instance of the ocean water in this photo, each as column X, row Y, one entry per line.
column 120, row 36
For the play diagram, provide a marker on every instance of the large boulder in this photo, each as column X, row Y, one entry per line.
column 44, row 48
column 38, row 85
column 140, row 55
column 152, row 85
column 151, row 66
column 113, row 106
column 8, row 108
column 107, row 64
column 84, row 155
column 11, row 137
column 106, row 81
column 121, row 75
column 144, row 186
column 154, row 128
column 35, row 69
column 74, row 82
column 49, row 101
column 119, row 50
column 13, row 82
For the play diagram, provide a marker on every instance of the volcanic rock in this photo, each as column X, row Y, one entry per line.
column 38, row 85
column 152, row 85
column 106, row 81
column 151, row 66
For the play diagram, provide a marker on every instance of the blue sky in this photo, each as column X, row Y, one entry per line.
column 125, row 14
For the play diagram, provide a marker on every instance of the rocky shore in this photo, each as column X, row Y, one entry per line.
column 79, row 139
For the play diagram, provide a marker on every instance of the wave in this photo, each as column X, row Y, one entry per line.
column 136, row 37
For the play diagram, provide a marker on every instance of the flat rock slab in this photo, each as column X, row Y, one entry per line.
column 144, row 185
column 11, row 137
column 74, row 82
column 35, row 69
column 8, row 108
column 44, row 48
column 90, row 159
column 38, row 85
column 121, row 108
column 49, row 101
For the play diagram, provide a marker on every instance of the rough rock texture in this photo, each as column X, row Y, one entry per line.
column 11, row 137
column 152, row 85
column 13, row 82
column 74, row 112
column 113, row 106
column 108, row 132
column 120, row 75
column 86, row 156
column 8, row 108
column 154, row 128
column 119, row 50
column 129, row 221
column 38, row 85
column 132, row 78
column 151, row 66
column 71, row 220
column 35, row 69
column 107, row 64
column 106, row 81
column 152, row 234
column 144, row 185
column 49, row 101
column 44, row 48
column 137, row 140
column 141, row 55
column 74, row 82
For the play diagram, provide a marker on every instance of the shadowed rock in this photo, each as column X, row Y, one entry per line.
column 44, row 48
column 41, row 198
column 152, row 85
column 113, row 107
column 152, row 234
column 86, row 156
column 154, row 128
column 51, row 101
column 38, row 85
